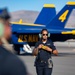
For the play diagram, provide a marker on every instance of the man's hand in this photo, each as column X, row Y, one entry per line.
column 40, row 46
column 35, row 51
column 46, row 48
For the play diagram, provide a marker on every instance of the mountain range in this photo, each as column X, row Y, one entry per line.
column 30, row 17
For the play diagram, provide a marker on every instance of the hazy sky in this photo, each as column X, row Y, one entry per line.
column 36, row 5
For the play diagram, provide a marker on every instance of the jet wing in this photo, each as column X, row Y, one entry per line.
column 62, row 35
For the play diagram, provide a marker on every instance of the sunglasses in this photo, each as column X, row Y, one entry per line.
column 45, row 34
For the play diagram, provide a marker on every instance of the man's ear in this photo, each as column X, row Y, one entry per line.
column 1, row 29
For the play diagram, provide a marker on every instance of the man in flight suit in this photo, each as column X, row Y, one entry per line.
column 43, row 49
column 10, row 64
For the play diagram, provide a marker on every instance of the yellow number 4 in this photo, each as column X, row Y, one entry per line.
column 62, row 18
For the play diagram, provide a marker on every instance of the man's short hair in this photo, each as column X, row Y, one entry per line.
column 44, row 30
column 4, row 14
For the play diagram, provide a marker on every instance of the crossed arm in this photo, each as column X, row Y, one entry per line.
column 35, row 51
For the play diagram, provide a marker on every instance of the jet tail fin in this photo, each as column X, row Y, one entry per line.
column 46, row 14
column 20, row 21
column 61, row 18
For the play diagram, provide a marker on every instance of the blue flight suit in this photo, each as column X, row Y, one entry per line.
column 43, row 60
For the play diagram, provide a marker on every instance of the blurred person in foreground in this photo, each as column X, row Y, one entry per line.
column 43, row 51
column 10, row 64
column 5, row 30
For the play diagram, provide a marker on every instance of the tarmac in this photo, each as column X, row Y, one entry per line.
column 64, row 63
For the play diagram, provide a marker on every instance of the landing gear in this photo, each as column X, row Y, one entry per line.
column 17, row 48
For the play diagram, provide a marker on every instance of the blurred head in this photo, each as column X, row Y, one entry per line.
column 44, row 33
column 5, row 21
